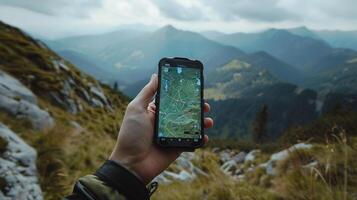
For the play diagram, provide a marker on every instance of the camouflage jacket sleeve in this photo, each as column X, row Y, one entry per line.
column 111, row 181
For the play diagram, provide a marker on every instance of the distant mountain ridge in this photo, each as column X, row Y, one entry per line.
column 134, row 57
column 296, row 50
column 295, row 72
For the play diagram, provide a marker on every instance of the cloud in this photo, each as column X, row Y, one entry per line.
column 262, row 10
column 59, row 18
column 227, row 10
column 78, row 8
column 178, row 10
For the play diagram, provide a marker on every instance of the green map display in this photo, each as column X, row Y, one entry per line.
column 180, row 103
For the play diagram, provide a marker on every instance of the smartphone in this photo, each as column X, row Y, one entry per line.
column 179, row 103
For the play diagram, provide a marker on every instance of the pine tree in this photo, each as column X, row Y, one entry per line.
column 115, row 86
column 259, row 125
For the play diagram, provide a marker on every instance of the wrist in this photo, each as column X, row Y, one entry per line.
column 133, row 167
column 115, row 174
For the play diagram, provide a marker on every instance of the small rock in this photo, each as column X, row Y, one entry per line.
column 271, row 164
column 162, row 179
column 182, row 176
column 16, row 99
column 252, row 155
column 97, row 91
column 311, row 165
column 97, row 103
column 239, row 158
column 12, row 88
column 224, row 156
column 77, row 126
column 229, row 166
column 215, row 150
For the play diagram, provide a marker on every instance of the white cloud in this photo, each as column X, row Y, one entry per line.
column 79, row 8
column 58, row 18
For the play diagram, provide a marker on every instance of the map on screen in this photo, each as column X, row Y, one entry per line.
column 180, row 103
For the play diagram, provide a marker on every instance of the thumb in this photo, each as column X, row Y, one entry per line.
column 147, row 93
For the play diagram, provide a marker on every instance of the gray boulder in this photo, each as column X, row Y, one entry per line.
column 239, row 158
column 12, row 88
column 274, row 158
column 19, row 101
column 99, row 98
column 18, row 168
column 186, row 170
column 251, row 156
column 229, row 166
column 182, row 176
column 225, row 155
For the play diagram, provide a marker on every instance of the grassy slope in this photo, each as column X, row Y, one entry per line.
column 64, row 152
column 334, row 177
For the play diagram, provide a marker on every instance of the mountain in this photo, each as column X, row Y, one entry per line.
column 88, row 65
column 237, row 79
column 271, row 69
column 238, row 90
column 295, row 50
column 212, row 35
column 287, row 106
column 305, row 32
column 130, row 60
column 342, row 39
column 50, row 112
column 279, row 69
column 93, row 44
column 339, row 39
column 336, row 78
column 134, row 58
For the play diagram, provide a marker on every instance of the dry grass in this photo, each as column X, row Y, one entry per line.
column 217, row 186
column 333, row 178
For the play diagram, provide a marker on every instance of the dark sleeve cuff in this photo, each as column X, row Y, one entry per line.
column 124, row 181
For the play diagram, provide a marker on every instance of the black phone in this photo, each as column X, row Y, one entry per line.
column 179, row 103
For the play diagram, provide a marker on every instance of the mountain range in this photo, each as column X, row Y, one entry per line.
column 292, row 71
column 57, row 123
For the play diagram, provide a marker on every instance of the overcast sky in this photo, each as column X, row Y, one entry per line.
column 60, row 18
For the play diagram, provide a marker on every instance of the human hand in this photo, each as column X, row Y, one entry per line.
column 135, row 148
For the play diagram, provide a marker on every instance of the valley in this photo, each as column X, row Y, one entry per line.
column 294, row 87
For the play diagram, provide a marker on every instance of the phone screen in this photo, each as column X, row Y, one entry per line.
column 180, row 103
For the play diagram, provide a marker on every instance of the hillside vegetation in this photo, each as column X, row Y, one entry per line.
column 87, row 114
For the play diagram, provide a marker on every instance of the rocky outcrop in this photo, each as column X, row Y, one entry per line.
column 20, row 102
column 18, row 174
column 281, row 155
column 235, row 164
column 251, row 156
column 77, row 90
column 186, row 171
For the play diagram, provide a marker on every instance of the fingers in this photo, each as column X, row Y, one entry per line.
column 147, row 93
column 206, row 107
column 208, row 122
column 205, row 139
column 152, row 107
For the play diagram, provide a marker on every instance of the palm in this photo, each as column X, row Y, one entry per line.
column 147, row 155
